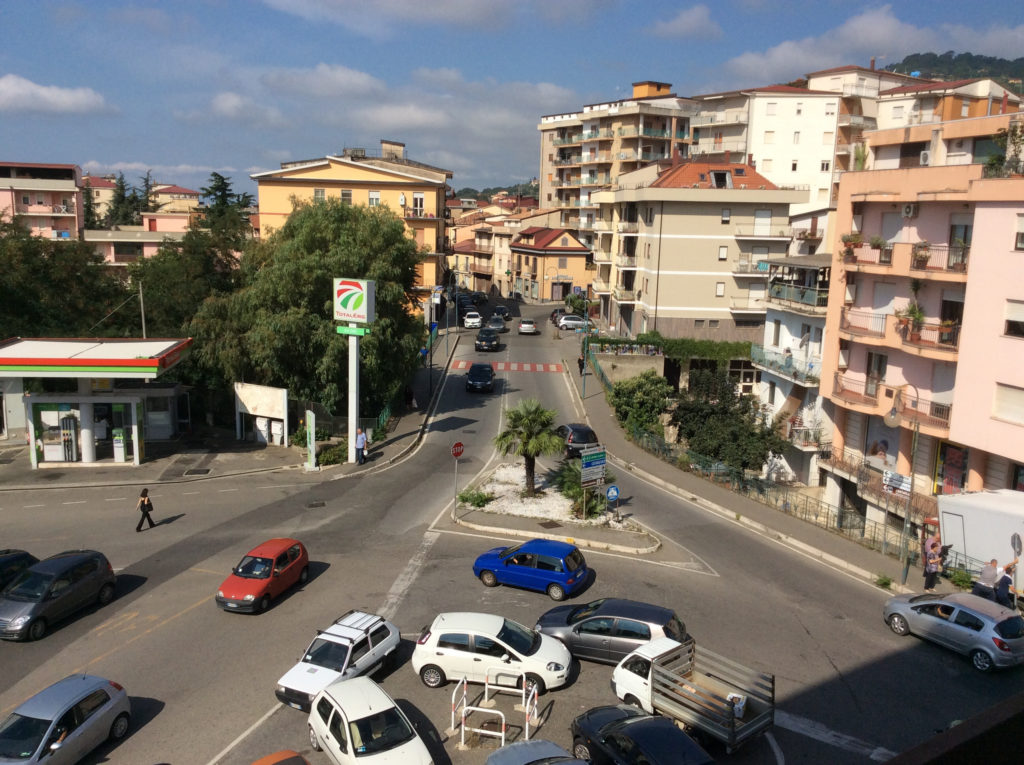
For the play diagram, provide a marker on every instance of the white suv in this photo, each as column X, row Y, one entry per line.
column 357, row 643
column 473, row 320
column 482, row 647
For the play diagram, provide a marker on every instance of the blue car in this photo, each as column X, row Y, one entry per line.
column 556, row 568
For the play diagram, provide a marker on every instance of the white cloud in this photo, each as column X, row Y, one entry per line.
column 235, row 107
column 323, row 80
column 20, row 95
column 387, row 118
column 160, row 172
column 386, row 13
column 694, row 22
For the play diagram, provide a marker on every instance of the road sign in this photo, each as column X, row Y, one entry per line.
column 592, row 462
column 896, row 482
column 612, row 492
column 457, row 449
column 358, row 331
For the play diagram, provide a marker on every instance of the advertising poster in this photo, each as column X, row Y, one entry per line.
column 882, row 445
column 950, row 469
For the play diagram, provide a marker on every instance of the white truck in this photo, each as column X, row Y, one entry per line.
column 699, row 689
column 981, row 526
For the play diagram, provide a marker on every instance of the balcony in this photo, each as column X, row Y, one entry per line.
column 861, row 91
column 602, row 255
column 729, row 117
column 628, row 227
column 568, row 140
column 625, row 294
column 806, row 372
column 484, row 248
column 652, row 133
column 600, row 286
column 862, row 391
column 747, row 305
column 774, row 232
column 563, row 183
column 626, row 262
column 944, row 336
column 599, row 179
column 566, row 161
column 654, row 156
column 603, row 225
column 805, row 439
column 844, row 148
column 859, row 322
column 750, row 268
column 482, row 268
column 853, row 119
column 594, row 135
column 627, row 131
column 808, row 300
column 603, row 157
column 626, row 156
column 939, row 257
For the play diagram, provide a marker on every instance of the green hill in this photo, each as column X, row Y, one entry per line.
column 963, row 66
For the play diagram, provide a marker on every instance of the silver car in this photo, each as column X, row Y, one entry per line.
column 62, row 724
column 991, row 635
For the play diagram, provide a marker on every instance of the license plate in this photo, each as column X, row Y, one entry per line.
column 232, row 605
column 293, row 705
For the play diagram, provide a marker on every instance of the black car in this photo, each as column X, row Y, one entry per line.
column 622, row 735
column 11, row 564
column 609, row 629
column 503, row 312
column 479, row 298
column 487, row 340
column 480, row 377
column 577, row 438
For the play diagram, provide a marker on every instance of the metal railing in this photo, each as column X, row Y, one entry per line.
column 802, row 370
column 942, row 257
column 798, row 295
column 863, row 322
column 767, row 231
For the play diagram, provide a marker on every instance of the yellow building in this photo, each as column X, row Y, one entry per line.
column 413, row 190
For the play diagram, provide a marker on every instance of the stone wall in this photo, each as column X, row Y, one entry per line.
column 622, row 367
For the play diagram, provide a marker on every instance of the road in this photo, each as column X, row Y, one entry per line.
column 202, row 681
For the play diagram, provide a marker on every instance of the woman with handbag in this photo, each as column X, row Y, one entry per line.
column 144, row 506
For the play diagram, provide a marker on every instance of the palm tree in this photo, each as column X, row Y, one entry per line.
column 529, row 433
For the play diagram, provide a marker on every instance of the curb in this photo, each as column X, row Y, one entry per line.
column 588, row 543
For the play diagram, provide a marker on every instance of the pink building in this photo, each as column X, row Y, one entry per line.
column 124, row 244
column 927, row 310
column 47, row 198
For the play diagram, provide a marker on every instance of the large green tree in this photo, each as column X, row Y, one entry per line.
column 226, row 214
column 529, row 433
column 278, row 327
column 121, row 211
column 89, row 217
column 640, row 400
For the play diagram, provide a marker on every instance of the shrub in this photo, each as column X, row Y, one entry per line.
column 475, row 497
column 639, row 400
column 334, row 455
column 566, row 477
column 299, row 436
column 883, row 581
column 961, row 578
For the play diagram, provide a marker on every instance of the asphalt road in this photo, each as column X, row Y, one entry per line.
column 202, row 680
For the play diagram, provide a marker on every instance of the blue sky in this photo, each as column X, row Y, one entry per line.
column 188, row 87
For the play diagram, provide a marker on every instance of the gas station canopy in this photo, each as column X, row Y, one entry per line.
column 128, row 358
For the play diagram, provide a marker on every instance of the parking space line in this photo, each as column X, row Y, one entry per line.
column 226, row 750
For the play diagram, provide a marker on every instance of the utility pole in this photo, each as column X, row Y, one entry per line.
column 142, row 307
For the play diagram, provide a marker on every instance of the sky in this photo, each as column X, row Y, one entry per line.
column 184, row 88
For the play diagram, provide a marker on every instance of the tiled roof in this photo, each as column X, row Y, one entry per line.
column 98, row 182
column 930, row 85
column 175, row 190
column 698, row 175
column 544, row 237
column 789, row 89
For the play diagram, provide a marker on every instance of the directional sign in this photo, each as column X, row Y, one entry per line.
column 359, row 331
column 592, row 463
column 457, row 449
column 896, row 482
column 612, row 492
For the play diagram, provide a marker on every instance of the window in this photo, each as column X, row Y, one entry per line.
column 712, row 323
column 723, row 252
column 719, row 289
column 769, row 136
column 897, row 112
column 776, row 332
column 826, row 165
column 602, row 626
column 633, row 630
column 87, row 707
column 417, row 204
column 374, row 198
column 549, row 563
column 970, row 621
column 346, row 196
column 456, row 641
column 324, row 709
column 338, row 731
column 380, row 634
column 769, row 108
column 726, row 214
column 319, row 195
column 796, row 136
column 26, row 199
column 359, row 650
column 799, row 108
column 793, row 166
column 828, row 138
column 965, row 108
column 1019, row 243
column 698, row 323
column 766, row 165
column 563, row 263
column 487, row 647
column 771, row 393
column 638, row 666
column 1014, row 318
column 830, row 109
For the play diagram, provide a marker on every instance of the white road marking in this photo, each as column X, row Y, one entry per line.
column 776, row 749
column 26, row 507
column 226, row 750
column 405, row 579
column 117, row 499
column 187, row 493
column 74, row 502
column 817, row 731
column 222, row 491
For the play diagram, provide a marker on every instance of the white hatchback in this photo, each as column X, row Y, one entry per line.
column 355, row 720
column 483, row 647
column 473, row 320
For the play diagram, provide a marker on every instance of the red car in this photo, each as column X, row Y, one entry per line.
column 265, row 572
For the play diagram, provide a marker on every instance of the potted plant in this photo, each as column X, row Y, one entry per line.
column 915, row 316
column 877, row 242
column 853, row 239
column 921, row 254
column 848, row 256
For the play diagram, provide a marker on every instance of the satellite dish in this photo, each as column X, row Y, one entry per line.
column 804, row 340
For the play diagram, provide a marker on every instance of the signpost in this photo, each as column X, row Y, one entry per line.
column 457, row 450
column 896, row 482
column 612, row 495
column 592, row 462
column 354, row 302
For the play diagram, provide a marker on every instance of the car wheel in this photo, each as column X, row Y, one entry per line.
column 106, row 594
column 314, row 743
column 532, row 681
column 632, row 700
column 304, row 575
column 488, row 578
column 556, row 592
column 432, row 676
column 37, row 629
column 981, row 660
column 264, row 604
column 898, row 624
column 119, row 728
column 580, row 750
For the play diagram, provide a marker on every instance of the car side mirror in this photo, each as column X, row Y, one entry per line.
column 56, row 745
column 506, row 658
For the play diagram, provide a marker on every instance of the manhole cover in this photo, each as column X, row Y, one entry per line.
column 313, row 505
column 550, row 525
column 197, row 471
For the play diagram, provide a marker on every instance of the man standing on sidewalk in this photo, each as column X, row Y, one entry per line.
column 360, row 446
column 581, row 364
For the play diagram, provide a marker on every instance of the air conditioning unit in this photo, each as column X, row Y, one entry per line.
column 926, row 158
column 910, row 210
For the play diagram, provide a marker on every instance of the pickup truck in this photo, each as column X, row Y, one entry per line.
column 699, row 689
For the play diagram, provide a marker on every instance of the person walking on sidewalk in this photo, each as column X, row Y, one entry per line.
column 360, row 446
column 144, row 506
column 933, row 563
column 581, row 364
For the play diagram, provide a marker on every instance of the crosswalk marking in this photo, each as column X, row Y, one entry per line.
column 511, row 366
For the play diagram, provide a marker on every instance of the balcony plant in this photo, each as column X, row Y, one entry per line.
column 914, row 313
column 853, row 239
column 877, row 242
column 921, row 254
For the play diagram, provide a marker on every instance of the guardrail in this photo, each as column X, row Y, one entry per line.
column 467, row 710
column 460, row 704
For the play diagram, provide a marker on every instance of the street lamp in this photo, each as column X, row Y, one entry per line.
column 893, row 419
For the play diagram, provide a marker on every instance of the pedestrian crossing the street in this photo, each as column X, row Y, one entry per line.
column 511, row 366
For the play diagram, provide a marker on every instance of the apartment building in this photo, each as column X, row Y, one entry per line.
column 101, row 189
column 549, row 263
column 413, row 190
column 46, row 197
column 585, row 150
column 125, row 244
column 684, row 250
column 170, row 198
column 925, row 321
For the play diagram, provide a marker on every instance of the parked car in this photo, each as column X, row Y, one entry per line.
column 264, row 573
column 616, row 735
column 63, row 723
column 528, row 327
column 577, row 438
column 483, row 647
column 473, row 320
column 356, row 643
column 544, row 565
column 497, row 324
column 609, row 629
column 503, row 312
column 54, row 589
column 356, row 721
column 12, row 563
column 480, row 377
column 557, row 314
column 536, row 751
column 479, row 298
column 991, row 635
column 572, row 321
column 487, row 340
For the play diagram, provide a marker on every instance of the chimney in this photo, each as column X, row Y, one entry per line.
column 392, row 149
column 872, row 63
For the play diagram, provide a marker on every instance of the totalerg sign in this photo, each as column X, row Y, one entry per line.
column 355, row 300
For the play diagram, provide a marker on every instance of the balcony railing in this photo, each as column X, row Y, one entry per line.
column 600, row 285
column 602, row 256
column 653, row 156
column 748, row 305
column 811, row 299
column 943, row 336
column 627, row 132
column 806, row 371
column 861, row 322
column 562, row 183
column 625, row 294
column 652, row 133
column 593, row 135
column 483, row 247
column 482, row 268
column 600, row 179
column 568, row 140
column 940, row 257
column 626, row 156
column 763, row 232
column 750, row 267
column 844, row 148
column 628, row 227
column 870, row 256
column 857, row 390
column 563, row 161
column 925, row 412
column 625, row 261
column 720, row 118
column 601, row 157
column 860, row 90
column 708, row 145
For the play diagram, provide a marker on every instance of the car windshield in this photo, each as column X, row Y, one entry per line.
column 29, row 587
column 509, row 551
column 327, row 654
column 486, row 334
column 379, row 732
column 1011, row 629
column 254, row 568
column 582, row 612
column 519, row 638
column 21, row 736
column 479, row 372
column 574, row 561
